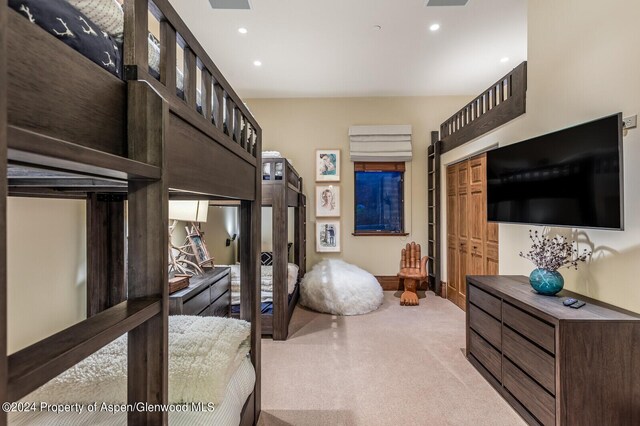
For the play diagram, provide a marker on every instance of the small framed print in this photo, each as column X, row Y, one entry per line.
column 327, row 236
column 327, row 165
column 327, row 201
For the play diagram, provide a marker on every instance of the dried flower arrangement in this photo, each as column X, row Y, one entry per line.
column 554, row 253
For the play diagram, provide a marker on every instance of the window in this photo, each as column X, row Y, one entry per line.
column 379, row 198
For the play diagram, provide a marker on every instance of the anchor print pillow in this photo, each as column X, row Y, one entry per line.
column 73, row 28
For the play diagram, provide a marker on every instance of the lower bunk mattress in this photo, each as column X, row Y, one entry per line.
column 210, row 379
column 228, row 413
column 266, row 308
column 266, row 284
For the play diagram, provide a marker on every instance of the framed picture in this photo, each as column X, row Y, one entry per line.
column 327, row 165
column 199, row 248
column 328, row 236
column 327, row 201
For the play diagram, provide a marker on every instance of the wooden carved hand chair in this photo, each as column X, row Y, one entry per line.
column 413, row 270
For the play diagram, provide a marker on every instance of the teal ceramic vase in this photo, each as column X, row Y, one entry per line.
column 546, row 282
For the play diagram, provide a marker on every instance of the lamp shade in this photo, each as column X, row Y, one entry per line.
column 188, row 211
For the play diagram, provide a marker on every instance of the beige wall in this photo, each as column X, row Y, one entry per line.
column 581, row 66
column 267, row 227
column 46, row 257
column 222, row 223
column 297, row 127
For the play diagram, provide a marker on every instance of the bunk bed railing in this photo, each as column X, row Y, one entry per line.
column 500, row 103
column 205, row 91
column 276, row 170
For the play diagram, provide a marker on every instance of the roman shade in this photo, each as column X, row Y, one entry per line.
column 380, row 143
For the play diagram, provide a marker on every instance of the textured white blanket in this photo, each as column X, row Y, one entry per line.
column 266, row 281
column 203, row 354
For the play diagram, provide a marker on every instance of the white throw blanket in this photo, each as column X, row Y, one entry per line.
column 203, row 354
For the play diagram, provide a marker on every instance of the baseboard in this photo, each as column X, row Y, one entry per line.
column 392, row 283
column 389, row 282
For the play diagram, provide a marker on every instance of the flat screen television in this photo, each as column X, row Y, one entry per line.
column 572, row 177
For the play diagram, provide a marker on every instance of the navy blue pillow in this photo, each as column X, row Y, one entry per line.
column 66, row 23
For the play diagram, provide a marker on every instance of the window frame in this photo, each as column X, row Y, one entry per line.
column 372, row 166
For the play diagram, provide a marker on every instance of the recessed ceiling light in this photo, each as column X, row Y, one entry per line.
column 242, row 30
column 257, row 63
column 434, row 27
column 377, row 27
column 505, row 59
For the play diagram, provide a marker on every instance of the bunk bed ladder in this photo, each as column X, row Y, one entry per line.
column 280, row 235
column 148, row 116
column 250, row 271
column 300, row 249
column 433, row 213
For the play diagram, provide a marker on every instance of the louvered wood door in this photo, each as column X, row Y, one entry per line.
column 477, row 215
column 452, row 233
column 472, row 242
column 463, row 231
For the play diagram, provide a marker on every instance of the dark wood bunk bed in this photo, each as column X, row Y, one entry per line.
column 73, row 130
column 282, row 188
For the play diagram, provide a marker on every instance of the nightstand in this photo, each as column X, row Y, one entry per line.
column 208, row 295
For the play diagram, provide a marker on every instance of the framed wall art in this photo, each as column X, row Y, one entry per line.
column 327, row 165
column 327, row 201
column 328, row 236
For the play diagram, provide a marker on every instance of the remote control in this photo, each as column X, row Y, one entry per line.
column 569, row 301
column 578, row 304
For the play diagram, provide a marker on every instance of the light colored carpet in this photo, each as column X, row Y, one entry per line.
column 394, row 366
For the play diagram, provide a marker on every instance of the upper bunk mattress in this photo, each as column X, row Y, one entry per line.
column 96, row 33
column 75, row 29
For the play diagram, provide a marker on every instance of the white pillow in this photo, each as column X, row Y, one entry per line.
column 107, row 14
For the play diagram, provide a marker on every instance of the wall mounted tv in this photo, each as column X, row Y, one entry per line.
column 572, row 177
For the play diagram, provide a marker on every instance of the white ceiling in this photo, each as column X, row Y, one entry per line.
column 326, row 48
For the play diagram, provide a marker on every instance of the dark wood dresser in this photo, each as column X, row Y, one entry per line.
column 554, row 364
column 208, row 294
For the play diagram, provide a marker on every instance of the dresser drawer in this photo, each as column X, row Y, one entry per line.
column 484, row 300
column 532, row 396
column 486, row 326
column 529, row 326
column 485, row 353
column 530, row 358
column 197, row 303
column 220, row 286
column 219, row 308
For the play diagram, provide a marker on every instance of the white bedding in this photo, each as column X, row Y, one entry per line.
column 227, row 413
column 203, row 353
column 266, row 282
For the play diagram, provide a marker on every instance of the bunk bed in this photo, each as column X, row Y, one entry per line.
column 281, row 189
column 71, row 128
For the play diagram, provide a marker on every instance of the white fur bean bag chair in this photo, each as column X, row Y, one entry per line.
column 337, row 287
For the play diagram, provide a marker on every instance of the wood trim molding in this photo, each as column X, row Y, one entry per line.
column 379, row 234
column 369, row 166
column 392, row 283
column 389, row 282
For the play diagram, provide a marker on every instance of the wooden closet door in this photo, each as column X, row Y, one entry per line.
column 477, row 214
column 472, row 242
column 452, row 232
column 463, row 231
